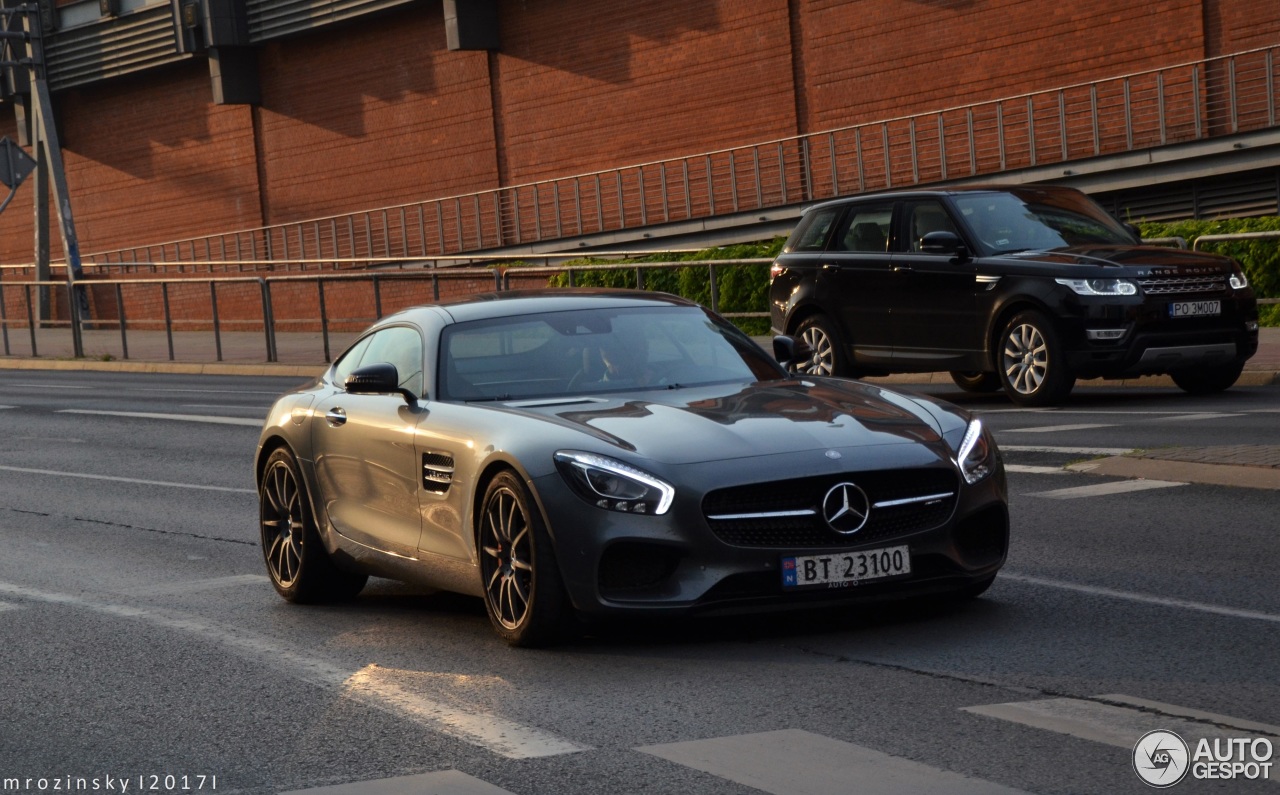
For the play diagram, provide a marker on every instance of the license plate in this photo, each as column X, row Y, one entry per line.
column 841, row 569
column 1195, row 308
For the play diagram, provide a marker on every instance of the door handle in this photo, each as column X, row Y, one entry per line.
column 902, row 269
column 336, row 417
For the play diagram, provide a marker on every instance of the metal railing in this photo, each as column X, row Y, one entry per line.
column 237, row 318
column 1187, row 102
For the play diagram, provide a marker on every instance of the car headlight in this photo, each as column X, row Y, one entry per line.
column 1238, row 280
column 977, row 455
column 613, row 485
column 1099, row 286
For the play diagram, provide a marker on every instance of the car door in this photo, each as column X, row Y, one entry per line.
column 933, row 305
column 856, row 279
column 366, row 460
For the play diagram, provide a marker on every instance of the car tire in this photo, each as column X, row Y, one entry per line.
column 300, row 569
column 976, row 381
column 1208, row 380
column 1032, row 367
column 828, row 348
column 523, row 592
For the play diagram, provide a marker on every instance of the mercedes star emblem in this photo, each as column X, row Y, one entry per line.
column 846, row 508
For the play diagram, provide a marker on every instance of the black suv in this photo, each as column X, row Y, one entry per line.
column 1026, row 288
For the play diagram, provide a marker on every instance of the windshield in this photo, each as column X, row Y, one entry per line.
column 1041, row 220
column 561, row 354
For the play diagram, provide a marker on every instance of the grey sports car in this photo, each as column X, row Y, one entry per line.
column 580, row 454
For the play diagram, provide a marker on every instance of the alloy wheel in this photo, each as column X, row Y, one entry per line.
column 507, row 563
column 823, row 360
column 282, row 524
column 1026, row 358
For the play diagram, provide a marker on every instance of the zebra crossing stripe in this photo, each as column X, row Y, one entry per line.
column 441, row 782
column 1104, row 489
column 796, row 762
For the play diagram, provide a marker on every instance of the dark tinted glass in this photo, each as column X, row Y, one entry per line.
column 1037, row 221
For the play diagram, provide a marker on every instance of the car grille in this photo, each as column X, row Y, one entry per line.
column 1183, row 285
column 787, row 514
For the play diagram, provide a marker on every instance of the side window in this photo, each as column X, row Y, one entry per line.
column 866, row 229
column 811, row 234
column 350, row 360
column 401, row 346
column 925, row 217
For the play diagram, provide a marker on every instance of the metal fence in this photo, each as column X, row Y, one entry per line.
column 1188, row 102
column 301, row 318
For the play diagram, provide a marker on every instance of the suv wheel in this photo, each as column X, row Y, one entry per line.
column 1207, row 380
column 976, row 381
column 1033, row 370
column 828, row 349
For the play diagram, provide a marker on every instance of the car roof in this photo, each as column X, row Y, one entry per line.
column 951, row 190
column 513, row 303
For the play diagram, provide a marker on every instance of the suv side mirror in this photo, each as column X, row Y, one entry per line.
column 378, row 379
column 790, row 351
column 943, row 242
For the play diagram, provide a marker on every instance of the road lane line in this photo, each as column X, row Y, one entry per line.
column 1104, row 489
column 1194, row 417
column 1023, row 448
column 1028, row 469
column 5, row 606
column 114, row 478
column 1119, row 726
column 453, row 782
column 797, row 762
column 368, row 686
column 1151, row 599
column 195, row 586
column 1057, row 428
column 149, row 415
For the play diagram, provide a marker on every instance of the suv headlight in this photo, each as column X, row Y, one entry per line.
column 1238, row 280
column 613, row 485
column 977, row 455
column 1100, row 286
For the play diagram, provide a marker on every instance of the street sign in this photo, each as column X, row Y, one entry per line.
column 15, row 164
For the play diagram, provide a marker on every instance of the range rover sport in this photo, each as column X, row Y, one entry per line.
column 1025, row 288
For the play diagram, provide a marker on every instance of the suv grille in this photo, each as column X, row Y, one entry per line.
column 1174, row 285
column 802, row 497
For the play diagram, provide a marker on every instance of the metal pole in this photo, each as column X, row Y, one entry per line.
column 31, row 321
column 4, row 321
column 324, row 320
column 168, row 319
column 217, row 324
column 268, row 319
column 124, row 325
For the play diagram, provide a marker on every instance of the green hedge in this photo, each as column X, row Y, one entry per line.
column 1259, row 258
column 742, row 288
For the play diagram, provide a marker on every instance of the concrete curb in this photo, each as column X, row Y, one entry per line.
column 1182, row 471
column 178, row 368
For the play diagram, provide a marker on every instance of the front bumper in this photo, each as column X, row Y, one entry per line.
column 614, row 563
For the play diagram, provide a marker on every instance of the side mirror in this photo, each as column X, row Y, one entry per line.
column 791, row 351
column 378, row 379
column 944, row 243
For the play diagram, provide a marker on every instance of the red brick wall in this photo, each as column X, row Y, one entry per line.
column 589, row 84
column 878, row 59
column 376, row 114
column 1236, row 25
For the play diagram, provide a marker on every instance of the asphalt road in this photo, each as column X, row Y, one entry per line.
column 140, row 639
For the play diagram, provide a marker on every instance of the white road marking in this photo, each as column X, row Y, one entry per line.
column 148, row 415
column 1150, row 599
column 116, row 479
column 1019, row 448
column 1057, row 428
column 262, row 409
column 1028, row 469
column 1119, row 726
column 1205, row 416
column 8, row 407
column 4, row 606
column 1105, row 489
column 152, row 389
column 196, row 586
column 441, row 782
column 371, row 685
column 795, row 762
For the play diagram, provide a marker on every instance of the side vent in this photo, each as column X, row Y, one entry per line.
column 437, row 472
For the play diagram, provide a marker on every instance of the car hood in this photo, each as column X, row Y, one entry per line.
column 1149, row 260
column 691, row 425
